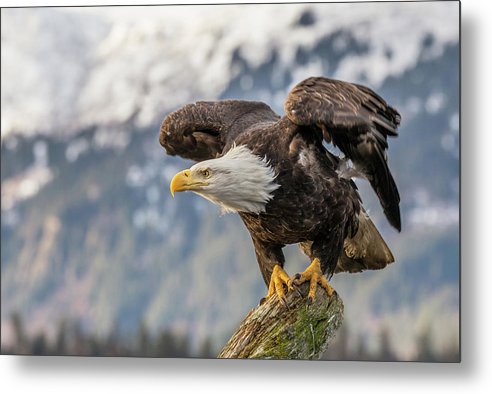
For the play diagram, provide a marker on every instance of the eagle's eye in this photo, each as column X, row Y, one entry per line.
column 206, row 173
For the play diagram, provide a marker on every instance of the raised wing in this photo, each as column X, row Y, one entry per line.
column 358, row 122
column 200, row 131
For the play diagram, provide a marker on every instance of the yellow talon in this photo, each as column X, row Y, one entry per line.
column 315, row 276
column 278, row 279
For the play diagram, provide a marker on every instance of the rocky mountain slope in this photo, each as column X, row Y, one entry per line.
column 89, row 230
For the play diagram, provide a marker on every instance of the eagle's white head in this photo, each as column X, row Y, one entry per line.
column 239, row 181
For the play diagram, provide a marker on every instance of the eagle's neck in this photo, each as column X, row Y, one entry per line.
column 246, row 182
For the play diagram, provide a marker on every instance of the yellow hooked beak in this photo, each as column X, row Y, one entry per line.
column 183, row 181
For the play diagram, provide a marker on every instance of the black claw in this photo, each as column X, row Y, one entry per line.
column 263, row 300
column 297, row 276
column 309, row 300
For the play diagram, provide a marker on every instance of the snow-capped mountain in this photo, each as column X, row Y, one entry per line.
column 89, row 231
column 67, row 69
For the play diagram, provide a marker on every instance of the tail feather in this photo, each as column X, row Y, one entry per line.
column 367, row 250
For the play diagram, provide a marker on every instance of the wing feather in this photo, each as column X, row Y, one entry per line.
column 200, row 131
column 356, row 120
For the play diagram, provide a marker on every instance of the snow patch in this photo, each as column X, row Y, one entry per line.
column 24, row 186
column 65, row 69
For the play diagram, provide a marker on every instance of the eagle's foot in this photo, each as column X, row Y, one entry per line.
column 278, row 280
column 315, row 276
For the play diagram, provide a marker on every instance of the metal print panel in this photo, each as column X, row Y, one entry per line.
column 273, row 181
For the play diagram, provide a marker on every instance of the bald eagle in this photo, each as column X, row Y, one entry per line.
column 285, row 185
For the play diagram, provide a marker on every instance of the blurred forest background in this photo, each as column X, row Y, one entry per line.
column 98, row 259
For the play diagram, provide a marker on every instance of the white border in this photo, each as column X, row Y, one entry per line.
column 83, row 375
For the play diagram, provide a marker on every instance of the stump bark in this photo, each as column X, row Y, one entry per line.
column 297, row 331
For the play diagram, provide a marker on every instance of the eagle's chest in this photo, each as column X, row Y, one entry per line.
column 311, row 199
column 302, row 208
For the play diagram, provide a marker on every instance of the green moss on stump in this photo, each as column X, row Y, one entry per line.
column 301, row 331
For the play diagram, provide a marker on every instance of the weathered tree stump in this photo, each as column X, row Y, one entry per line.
column 299, row 331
